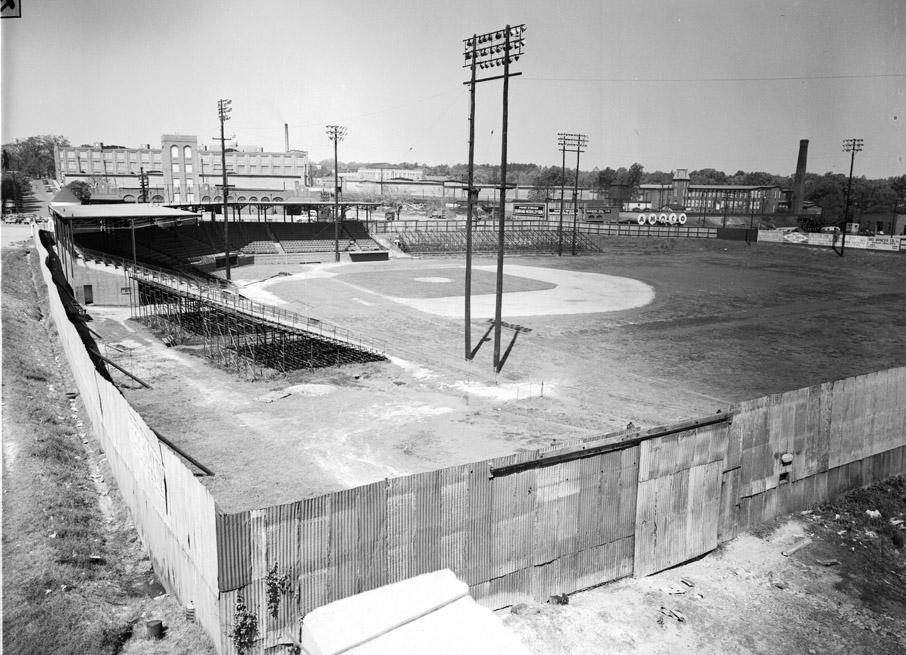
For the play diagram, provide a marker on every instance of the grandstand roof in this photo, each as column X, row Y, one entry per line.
column 123, row 210
column 277, row 203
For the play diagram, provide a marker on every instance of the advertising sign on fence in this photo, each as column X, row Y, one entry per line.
column 821, row 239
column 884, row 243
column 795, row 237
column 772, row 236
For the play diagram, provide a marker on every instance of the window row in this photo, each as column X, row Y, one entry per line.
column 186, row 151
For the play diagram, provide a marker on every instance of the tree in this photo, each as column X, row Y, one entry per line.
column 657, row 177
column 80, row 189
column 34, row 155
column 829, row 193
column 708, row 176
column 16, row 187
column 627, row 181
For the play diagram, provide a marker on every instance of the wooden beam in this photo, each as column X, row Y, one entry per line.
column 610, row 443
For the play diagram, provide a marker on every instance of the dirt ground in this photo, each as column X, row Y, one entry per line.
column 844, row 592
column 728, row 322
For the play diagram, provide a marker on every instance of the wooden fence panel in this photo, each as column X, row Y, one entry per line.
column 478, row 525
column 679, row 497
column 511, row 520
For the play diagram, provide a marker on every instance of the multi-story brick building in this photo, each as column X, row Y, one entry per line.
column 182, row 172
column 734, row 198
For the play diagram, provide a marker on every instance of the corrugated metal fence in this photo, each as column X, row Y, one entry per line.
column 558, row 520
column 174, row 514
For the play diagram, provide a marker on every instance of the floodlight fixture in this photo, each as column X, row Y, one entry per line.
column 336, row 132
column 853, row 145
column 494, row 48
column 224, row 109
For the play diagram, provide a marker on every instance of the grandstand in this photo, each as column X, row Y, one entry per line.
column 176, row 246
column 521, row 240
column 319, row 237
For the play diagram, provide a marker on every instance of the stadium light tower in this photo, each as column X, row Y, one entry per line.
column 569, row 142
column 223, row 112
column 500, row 47
column 336, row 133
column 851, row 146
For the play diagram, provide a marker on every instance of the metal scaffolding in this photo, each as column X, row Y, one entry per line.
column 236, row 335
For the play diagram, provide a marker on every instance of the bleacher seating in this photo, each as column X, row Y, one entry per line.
column 319, row 237
column 515, row 240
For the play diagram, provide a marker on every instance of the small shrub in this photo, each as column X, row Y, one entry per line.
column 276, row 587
column 245, row 627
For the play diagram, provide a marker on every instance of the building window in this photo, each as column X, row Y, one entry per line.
column 174, row 152
column 175, row 168
column 190, row 197
column 190, row 184
column 176, row 182
column 187, row 152
column 189, row 168
column 176, row 197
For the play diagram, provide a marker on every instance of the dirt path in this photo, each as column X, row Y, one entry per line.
column 75, row 578
column 745, row 598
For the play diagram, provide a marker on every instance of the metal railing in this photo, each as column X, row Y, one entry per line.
column 226, row 295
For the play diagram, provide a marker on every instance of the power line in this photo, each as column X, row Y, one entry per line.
column 714, row 79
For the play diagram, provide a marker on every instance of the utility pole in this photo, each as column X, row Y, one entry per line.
column 143, row 183
column 223, row 111
column 336, row 133
column 471, row 52
column 562, row 143
column 104, row 162
column 851, row 146
column 482, row 51
column 570, row 142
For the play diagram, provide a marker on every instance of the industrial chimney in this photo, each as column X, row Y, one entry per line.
column 286, row 135
column 799, row 181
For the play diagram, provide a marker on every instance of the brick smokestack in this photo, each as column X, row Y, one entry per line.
column 286, row 136
column 799, row 181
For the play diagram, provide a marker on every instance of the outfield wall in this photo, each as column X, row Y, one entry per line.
column 558, row 520
column 603, row 229
column 173, row 512
column 882, row 243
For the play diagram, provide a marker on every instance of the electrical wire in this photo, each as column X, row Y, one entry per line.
column 713, row 79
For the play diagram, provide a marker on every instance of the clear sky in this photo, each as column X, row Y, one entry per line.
column 728, row 84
